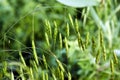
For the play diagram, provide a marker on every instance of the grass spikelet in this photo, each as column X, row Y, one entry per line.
column 87, row 39
column 101, row 38
column 67, row 30
column 43, row 75
column 104, row 53
column 66, row 46
column 22, row 59
column 60, row 65
column 5, row 67
column 54, row 77
column 79, row 39
column 48, row 29
column 71, row 20
column 69, row 76
column 62, row 75
column 101, row 45
column 55, row 33
column 46, row 76
column 85, row 15
column 35, row 66
column 97, row 57
column 35, row 53
column 47, row 39
column 31, row 74
column 115, row 58
column 80, row 42
column 44, row 60
column 76, row 26
column 112, row 66
column 93, row 45
column 60, row 39
column 58, row 72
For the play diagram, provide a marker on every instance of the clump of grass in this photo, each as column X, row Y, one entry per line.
column 32, row 72
column 89, row 57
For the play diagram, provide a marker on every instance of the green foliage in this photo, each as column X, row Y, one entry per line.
column 41, row 40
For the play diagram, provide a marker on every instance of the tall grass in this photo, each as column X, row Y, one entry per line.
column 80, row 52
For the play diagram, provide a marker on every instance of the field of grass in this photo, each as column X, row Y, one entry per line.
column 46, row 40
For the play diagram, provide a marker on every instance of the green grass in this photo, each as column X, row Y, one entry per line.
column 60, row 49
